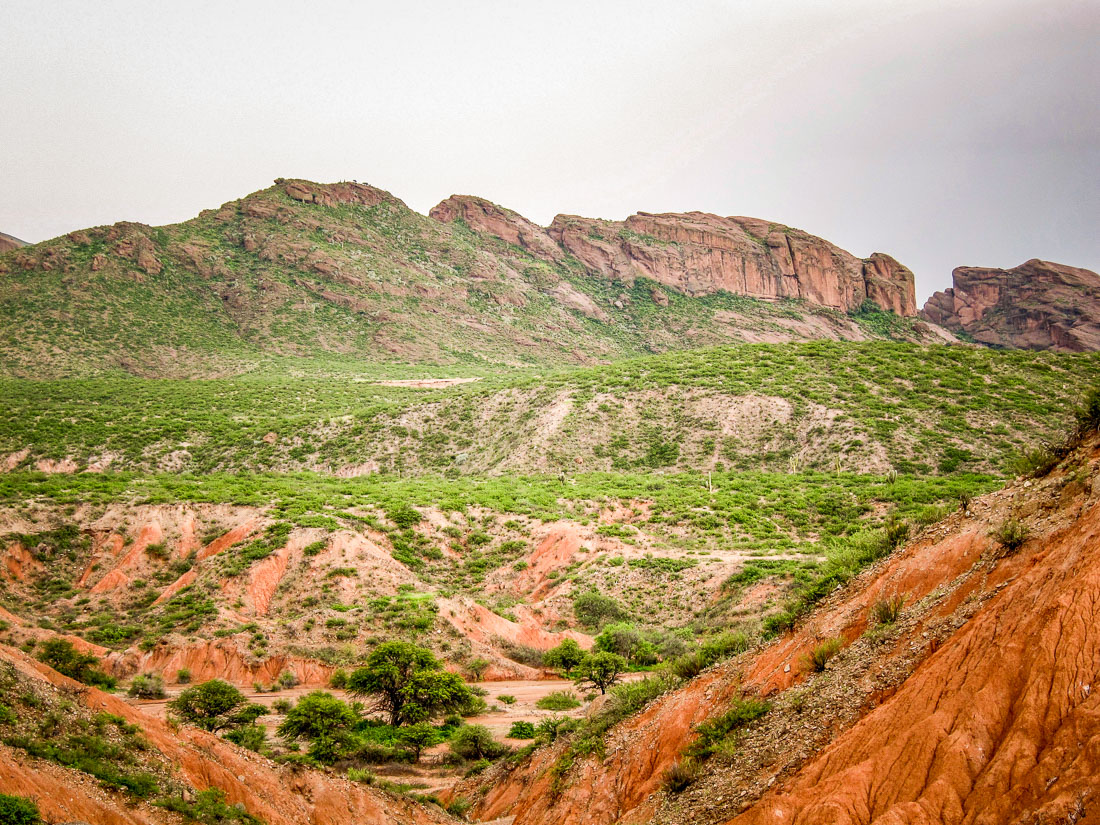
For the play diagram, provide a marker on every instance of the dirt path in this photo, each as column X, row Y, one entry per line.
column 424, row 383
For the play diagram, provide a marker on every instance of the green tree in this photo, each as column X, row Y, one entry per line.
column 323, row 720
column 408, row 684
column 621, row 637
column 215, row 706
column 475, row 742
column 67, row 660
column 18, row 810
column 419, row 736
column 594, row 609
column 600, row 670
column 564, row 657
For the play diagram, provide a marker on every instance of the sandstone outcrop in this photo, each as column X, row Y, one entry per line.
column 1037, row 305
column 700, row 254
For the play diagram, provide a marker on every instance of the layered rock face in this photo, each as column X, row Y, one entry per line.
column 487, row 218
column 699, row 254
column 8, row 242
column 1037, row 305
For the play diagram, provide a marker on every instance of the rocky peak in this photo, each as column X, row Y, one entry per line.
column 487, row 218
column 331, row 194
column 1037, row 305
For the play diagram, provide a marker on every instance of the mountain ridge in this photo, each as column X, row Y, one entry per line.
column 348, row 270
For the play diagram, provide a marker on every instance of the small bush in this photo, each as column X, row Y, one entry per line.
column 18, row 810
column 521, row 730
column 459, row 807
column 895, row 533
column 338, row 680
column 476, row 742
column 477, row 767
column 282, row 706
column 559, row 700
column 506, row 699
column 287, row 679
column 253, row 737
column 1011, row 535
column 681, row 776
column 183, row 676
column 886, row 611
column 594, row 610
column 147, row 686
column 1036, row 462
column 817, row 658
column 475, row 668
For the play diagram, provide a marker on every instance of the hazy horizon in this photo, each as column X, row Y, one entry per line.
column 943, row 133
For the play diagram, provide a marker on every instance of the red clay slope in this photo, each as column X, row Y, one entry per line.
column 1003, row 719
column 984, row 709
column 277, row 795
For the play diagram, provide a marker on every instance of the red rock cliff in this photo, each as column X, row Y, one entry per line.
column 1037, row 305
column 698, row 253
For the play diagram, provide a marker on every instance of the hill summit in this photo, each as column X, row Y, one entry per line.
column 305, row 270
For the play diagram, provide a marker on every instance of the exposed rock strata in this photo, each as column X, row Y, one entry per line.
column 700, row 254
column 1037, row 305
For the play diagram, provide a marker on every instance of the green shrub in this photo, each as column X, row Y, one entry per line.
column 506, row 699
column 594, row 610
column 253, row 737
column 214, row 706
column 521, row 730
column 338, row 680
column 18, row 810
column 564, row 657
column 820, row 655
column 476, row 742
column 209, row 808
column 183, row 676
column 718, row 730
column 559, row 700
column 1011, row 534
column 403, row 516
column 65, row 659
column 1088, row 416
column 886, row 611
column 146, row 686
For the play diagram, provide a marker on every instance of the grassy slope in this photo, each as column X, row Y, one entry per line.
column 859, row 407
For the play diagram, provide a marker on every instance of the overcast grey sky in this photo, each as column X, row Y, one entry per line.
column 945, row 133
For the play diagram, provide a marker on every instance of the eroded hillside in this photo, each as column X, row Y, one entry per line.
column 951, row 682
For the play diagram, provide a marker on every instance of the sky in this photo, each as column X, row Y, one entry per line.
column 942, row 132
